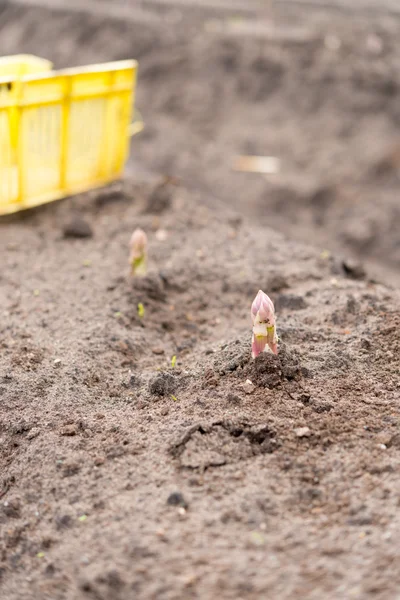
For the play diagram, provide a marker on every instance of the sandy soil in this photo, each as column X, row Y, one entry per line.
column 123, row 477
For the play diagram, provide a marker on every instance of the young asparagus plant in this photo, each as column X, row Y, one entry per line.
column 138, row 252
column 264, row 325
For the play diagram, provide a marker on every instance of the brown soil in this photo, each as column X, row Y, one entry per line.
column 125, row 478
column 316, row 88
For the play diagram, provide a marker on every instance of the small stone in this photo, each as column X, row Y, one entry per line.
column 177, row 499
column 69, row 430
column 158, row 350
column 77, row 228
column 99, row 460
column 164, row 411
column 384, row 438
column 57, row 362
column 302, row 432
column 161, row 235
column 248, row 387
column 33, row 433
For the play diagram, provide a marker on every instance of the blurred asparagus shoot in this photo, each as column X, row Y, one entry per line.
column 138, row 253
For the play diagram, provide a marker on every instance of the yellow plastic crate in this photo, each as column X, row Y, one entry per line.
column 61, row 132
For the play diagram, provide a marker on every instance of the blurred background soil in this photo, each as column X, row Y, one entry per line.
column 314, row 84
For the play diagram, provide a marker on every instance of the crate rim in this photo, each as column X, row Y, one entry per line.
column 112, row 66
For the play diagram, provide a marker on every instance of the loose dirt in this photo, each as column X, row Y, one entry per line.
column 124, row 477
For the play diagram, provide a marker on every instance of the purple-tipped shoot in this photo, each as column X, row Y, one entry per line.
column 138, row 253
column 264, row 325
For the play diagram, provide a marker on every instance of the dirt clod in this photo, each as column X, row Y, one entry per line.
column 12, row 508
column 290, row 302
column 162, row 384
column 354, row 270
column 177, row 499
column 160, row 199
column 77, row 227
column 69, row 430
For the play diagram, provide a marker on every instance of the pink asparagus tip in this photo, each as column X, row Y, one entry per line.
column 264, row 325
